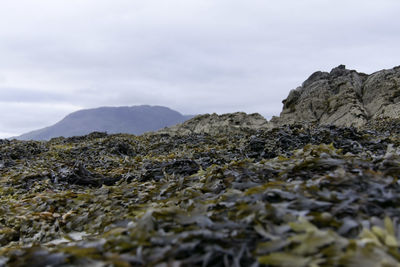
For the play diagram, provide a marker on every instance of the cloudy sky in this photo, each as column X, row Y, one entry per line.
column 195, row 56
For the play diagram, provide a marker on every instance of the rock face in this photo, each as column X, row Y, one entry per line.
column 132, row 120
column 343, row 97
column 219, row 124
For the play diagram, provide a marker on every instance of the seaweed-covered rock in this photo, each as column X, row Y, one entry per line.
column 17, row 150
column 390, row 126
column 283, row 140
column 156, row 171
column 296, row 195
column 79, row 175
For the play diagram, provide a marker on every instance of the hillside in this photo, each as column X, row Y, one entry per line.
column 132, row 120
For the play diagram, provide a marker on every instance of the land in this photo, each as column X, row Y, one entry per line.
column 217, row 190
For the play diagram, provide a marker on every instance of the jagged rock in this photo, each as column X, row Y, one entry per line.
column 79, row 175
column 343, row 98
column 381, row 94
column 220, row 124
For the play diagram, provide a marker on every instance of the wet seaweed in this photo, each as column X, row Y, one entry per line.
column 295, row 195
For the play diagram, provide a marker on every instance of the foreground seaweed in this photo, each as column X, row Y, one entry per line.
column 291, row 196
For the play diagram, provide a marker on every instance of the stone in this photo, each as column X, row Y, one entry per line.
column 381, row 94
column 343, row 97
column 79, row 175
column 156, row 170
column 219, row 124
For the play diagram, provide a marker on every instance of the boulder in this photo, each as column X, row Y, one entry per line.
column 229, row 123
column 343, row 97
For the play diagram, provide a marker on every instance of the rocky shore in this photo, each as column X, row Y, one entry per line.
column 230, row 190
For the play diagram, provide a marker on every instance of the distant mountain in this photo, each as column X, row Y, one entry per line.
column 132, row 120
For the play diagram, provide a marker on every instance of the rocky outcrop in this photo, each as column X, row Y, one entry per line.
column 381, row 94
column 343, row 97
column 220, row 124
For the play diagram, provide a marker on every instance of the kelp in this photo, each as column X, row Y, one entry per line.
column 291, row 196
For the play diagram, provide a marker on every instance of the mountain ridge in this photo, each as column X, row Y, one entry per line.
column 124, row 119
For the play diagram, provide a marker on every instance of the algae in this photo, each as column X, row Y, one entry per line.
column 298, row 195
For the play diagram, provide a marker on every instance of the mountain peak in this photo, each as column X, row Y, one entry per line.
column 124, row 119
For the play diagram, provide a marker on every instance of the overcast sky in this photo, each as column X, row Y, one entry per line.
column 195, row 56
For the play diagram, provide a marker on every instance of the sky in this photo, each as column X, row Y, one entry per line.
column 194, row 56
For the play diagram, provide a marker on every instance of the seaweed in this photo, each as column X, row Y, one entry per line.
column 297, row 195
